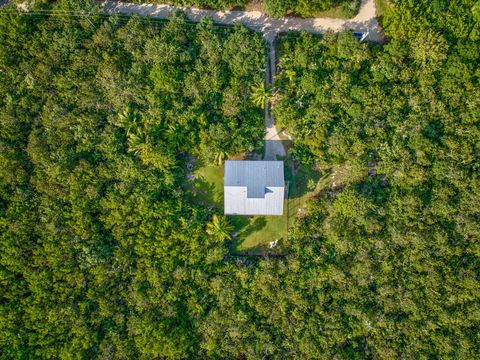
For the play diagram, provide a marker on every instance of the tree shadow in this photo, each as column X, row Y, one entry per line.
column 261, row 251
column 203, row 192
column 239, row 221
column 244, row 228
column 301, row 181
column 274, row 149
column 257, row 225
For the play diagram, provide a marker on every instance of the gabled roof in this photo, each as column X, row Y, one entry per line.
column 254, row 187
column 255, row 175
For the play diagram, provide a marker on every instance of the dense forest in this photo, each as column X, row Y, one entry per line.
column 392, row 249
column 457, row 20
column 102, row 255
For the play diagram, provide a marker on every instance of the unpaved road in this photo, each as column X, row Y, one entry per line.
column 365, row 21
column 273, row 143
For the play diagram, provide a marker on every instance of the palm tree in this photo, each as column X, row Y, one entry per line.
column 220, row 155
column 219, row 228
column 128, row 119
column 261, row 95
column 138, row 142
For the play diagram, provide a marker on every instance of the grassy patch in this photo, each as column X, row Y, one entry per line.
column 207, row 186
column 303, row 184
column 254, row 233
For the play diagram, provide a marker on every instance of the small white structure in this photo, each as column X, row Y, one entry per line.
column 254, row 187
column 273, row 244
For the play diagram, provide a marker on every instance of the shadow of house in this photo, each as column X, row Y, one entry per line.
column 257, row 225
column 273, row 148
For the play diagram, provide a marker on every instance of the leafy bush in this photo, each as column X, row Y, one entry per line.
column 350, row 8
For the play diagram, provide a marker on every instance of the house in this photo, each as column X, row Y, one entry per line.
column 254, row 187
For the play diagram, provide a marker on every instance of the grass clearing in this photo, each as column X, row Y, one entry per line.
column 207, row 185
column 254, row 233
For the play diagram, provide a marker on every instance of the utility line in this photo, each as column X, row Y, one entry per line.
column 57, row 13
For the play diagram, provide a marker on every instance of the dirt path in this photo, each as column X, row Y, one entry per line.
column 273, row 143
column 365, row 20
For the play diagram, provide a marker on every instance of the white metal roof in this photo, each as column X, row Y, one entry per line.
column 254, row 187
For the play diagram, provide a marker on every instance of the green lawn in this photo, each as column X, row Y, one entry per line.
column 207, row 187
column 254, row 233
